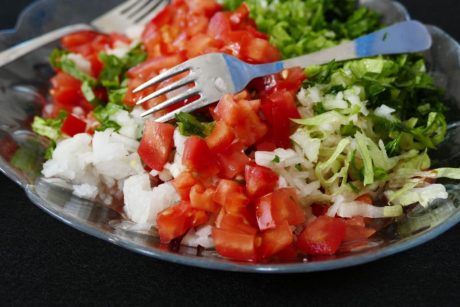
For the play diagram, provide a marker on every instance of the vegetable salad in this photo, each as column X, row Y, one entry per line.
column 300, row 163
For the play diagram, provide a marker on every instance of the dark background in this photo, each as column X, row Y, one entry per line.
column 44, row 262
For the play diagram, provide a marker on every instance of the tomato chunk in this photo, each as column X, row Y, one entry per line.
column 323, row 236
column 202, row 198
column 183, row 184
column 275, row 208
column 365, row 198
column 237, row 223
column 230, row 195
column 357, row 230
column 220, row 138
column 177, row 220
column 197, row 156
column 156, row 144
column 275, row 240
column 73, row 125
column 259, row 180
column 235, row 245
column 279, row 108
column 232, row 161
column 242, row 117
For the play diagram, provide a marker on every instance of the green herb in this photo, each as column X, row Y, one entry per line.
column 353, row 187
column 115, row 68
column 190, row 125
column 103, row 114
column 318, row 108
column 348, row 130
column 276, row 159
column 298, row 167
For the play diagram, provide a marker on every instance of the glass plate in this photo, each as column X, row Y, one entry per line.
column 23, row 88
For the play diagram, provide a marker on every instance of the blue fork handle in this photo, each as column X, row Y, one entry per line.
column 404, row 37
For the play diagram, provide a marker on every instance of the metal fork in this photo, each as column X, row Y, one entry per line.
column 216, row 74
column 127, row 14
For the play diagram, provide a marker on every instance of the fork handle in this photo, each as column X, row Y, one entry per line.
column 30, row 45
column 404, row 37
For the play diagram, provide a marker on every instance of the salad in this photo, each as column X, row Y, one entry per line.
column 303, row 162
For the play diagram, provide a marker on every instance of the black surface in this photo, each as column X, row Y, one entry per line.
column 44, row 262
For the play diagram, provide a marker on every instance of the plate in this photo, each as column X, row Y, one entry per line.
column 23, row 88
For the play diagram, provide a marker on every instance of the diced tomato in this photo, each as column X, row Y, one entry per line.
column 156, row 144
column 356, row 221
column 319, row 209
column 323, row 236
column 235, row 245
column 232, row 161
column 353, row 233
column 240, row 14
column 220, row 138
column 259, row 50
column 230, row 195
column 117, row 37
column 281, row 205
column 259, row 180
column 237, row 223
column 202, row 198
column 365, row 198
column 86, row 43
column 242, row 118
column 197, row 156
column 73, row 125
column 74, row 41
column 200, row 44
column 152, row 67
column 184, row 183
column 219, row 26
column 357, row 230
column 177, row 220
column 275, row 240
column 279, row 108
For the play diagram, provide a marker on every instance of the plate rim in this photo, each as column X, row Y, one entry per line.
column 226, row 265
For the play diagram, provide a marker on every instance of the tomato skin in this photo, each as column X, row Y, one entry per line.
column 232, row 161
column 264, row 214
column 230, row 195
column 356, row 229
column 279, row 108
column 156, row 144
column 198, row 157
column 234, row 245
column 365, row 198
column 259, row 180
column 220, row 138
column 319, row 209
column 242, row 117
column 177, row 220
column 323, row 236
column 275, row 240
column 73, row 125
column 202, row 198
column 237, row 223
column 184, row 183
column 277, row 207
column 152, row 67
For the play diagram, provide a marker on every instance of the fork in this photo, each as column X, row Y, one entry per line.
column 127, row 14
column 216, row 74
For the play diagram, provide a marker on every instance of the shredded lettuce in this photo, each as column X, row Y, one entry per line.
column 49, row 127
